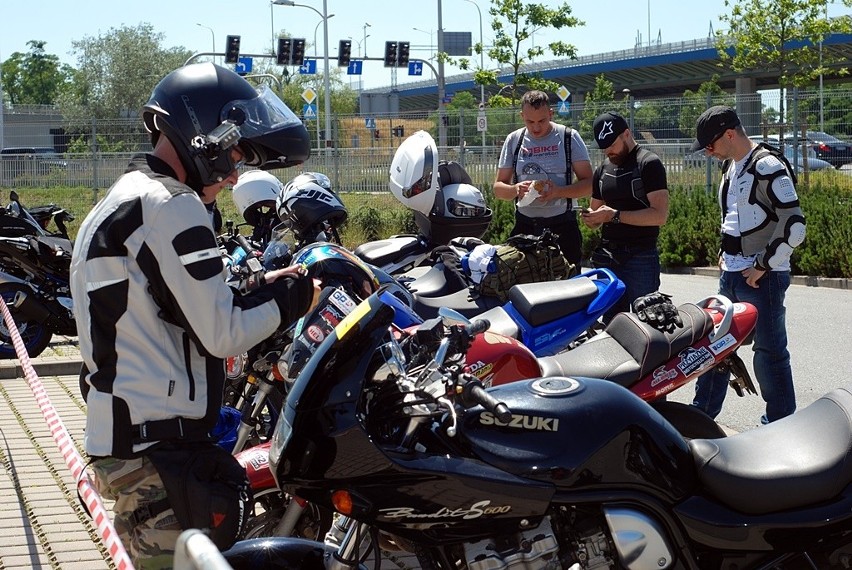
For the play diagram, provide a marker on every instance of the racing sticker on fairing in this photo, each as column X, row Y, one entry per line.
column 694, row 359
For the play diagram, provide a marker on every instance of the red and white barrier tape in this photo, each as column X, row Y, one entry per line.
column 72, row 458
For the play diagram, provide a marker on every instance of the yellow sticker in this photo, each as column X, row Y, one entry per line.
column 349, row 320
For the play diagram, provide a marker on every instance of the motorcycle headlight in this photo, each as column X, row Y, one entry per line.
column 280, row 439
column 464, row 210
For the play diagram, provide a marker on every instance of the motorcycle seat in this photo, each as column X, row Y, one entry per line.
column 436, row 282
column 461, row 301
column 541, row 303
column 386, row 251
column 629, row 349
column 797, row 461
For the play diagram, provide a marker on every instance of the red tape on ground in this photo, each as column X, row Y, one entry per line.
column 73, row 460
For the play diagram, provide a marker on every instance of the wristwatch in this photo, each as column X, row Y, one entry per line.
column 616, row 217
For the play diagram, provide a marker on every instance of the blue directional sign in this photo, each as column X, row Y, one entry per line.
column 243, row 65
column 370, row 123
column 308, row 67
column 355, row 66
column 564, row 108
column 415, row 68
column 309, row 111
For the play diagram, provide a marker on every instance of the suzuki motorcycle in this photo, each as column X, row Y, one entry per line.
column 34, row 273
column 556, row 472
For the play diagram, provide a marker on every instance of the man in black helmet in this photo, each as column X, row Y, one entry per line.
column 156, row 320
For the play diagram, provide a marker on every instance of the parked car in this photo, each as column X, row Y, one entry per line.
column 698, row 159
column 827, row 147
column 812, row 160
column 17, row 160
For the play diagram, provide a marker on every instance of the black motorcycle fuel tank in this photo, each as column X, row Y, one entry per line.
column 581, row 434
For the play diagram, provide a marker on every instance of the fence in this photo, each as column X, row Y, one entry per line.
column 361, row 157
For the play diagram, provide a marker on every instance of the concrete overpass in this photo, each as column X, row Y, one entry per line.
column 664, row 70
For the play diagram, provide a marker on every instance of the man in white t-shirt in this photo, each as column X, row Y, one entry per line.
column 761, row 224
column 535, row 170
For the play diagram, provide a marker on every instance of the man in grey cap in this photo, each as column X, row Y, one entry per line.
column 761, row 225
column 630, row 201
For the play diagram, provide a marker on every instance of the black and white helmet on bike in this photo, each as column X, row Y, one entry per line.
column 307, row 203
column 205, row 110
column 255, row 195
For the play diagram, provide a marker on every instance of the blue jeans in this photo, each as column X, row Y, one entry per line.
column 771, row 357
column 637, row 268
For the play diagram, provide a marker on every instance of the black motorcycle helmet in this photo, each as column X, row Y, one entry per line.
column 307, row 202
column 205, row 109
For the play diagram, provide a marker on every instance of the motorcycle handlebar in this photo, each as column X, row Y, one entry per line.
column 478, row 394
column 243, row 243
column 477, row 326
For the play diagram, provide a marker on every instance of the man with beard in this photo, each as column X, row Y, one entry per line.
column 630, row 201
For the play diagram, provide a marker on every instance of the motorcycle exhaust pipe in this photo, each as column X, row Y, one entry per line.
column 29, row 309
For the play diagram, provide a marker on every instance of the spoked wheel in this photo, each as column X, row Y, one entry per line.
column 35, row 335
column 689, row 421
column 268, row 508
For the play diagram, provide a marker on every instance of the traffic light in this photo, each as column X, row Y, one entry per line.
column 402, row 54
column 283, row 54
column 344, row 53
column 232, row 49
column 390, row 54
column 298, row 51
column 399, row 131
column 376, row 134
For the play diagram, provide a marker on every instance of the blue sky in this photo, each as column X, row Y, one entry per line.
column 610, row 25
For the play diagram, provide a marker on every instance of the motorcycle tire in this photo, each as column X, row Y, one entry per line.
column 689, row 421
column 268, row 508
column 35, row 335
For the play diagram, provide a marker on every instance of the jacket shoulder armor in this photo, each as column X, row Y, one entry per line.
column 768, row 165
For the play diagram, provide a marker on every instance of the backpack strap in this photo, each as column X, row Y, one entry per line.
column 569, row 171
column 517, row 154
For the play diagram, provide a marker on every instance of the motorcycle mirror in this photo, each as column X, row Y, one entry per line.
column 13, row 196
column 451, row 317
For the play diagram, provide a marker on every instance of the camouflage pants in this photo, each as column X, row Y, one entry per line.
column 133, row 483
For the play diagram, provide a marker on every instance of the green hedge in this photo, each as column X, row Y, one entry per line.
column 690, row 238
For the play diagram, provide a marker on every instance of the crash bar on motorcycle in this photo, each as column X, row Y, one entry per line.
column 195, row 551
column 727, row 306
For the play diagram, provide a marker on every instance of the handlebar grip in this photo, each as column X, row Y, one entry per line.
column 489, row 402
column 243, row 243
column 478, row 326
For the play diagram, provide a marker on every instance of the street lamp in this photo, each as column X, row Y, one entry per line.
column 315, row 33
column 324, row 15
column 365, row 26
column 431, row 33
column 212, row 35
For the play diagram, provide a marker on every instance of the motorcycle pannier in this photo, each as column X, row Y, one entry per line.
column 524, row 259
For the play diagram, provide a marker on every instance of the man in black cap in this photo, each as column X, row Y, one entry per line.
column 630, row 200
column 761, row 224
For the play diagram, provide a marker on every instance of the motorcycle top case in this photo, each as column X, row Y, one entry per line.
column 581, row 434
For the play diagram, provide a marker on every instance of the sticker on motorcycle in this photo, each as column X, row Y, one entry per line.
column 533, row 423
column 723, row 343
column 694, row 359
column 480, row 369
column 476, row 510
column 315, row 333
column 662, row 374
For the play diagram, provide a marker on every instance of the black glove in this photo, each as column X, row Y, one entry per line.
column 657, row 310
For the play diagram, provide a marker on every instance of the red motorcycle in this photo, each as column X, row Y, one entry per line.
column 650, row 362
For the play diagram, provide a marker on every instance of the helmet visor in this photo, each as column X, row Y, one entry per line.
column 256, row 117
column 425, row 181
column 464, row 210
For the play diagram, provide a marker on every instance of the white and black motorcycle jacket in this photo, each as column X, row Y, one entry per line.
column 155, row 317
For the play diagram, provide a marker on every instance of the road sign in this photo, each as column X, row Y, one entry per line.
column 309, row 111
column 415, row 68
column 354, row 67
column 370, row 123
column 482, row 123
column 563, row 93
column 308, row 67
column 243, row 66
column 309, row 95
column 564, row 108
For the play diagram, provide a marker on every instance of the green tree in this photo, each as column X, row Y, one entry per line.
column 783, row 36
column 514, row 22
column 696, row 102
column 601, row 98
column 115, row 75
column 33, row 78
